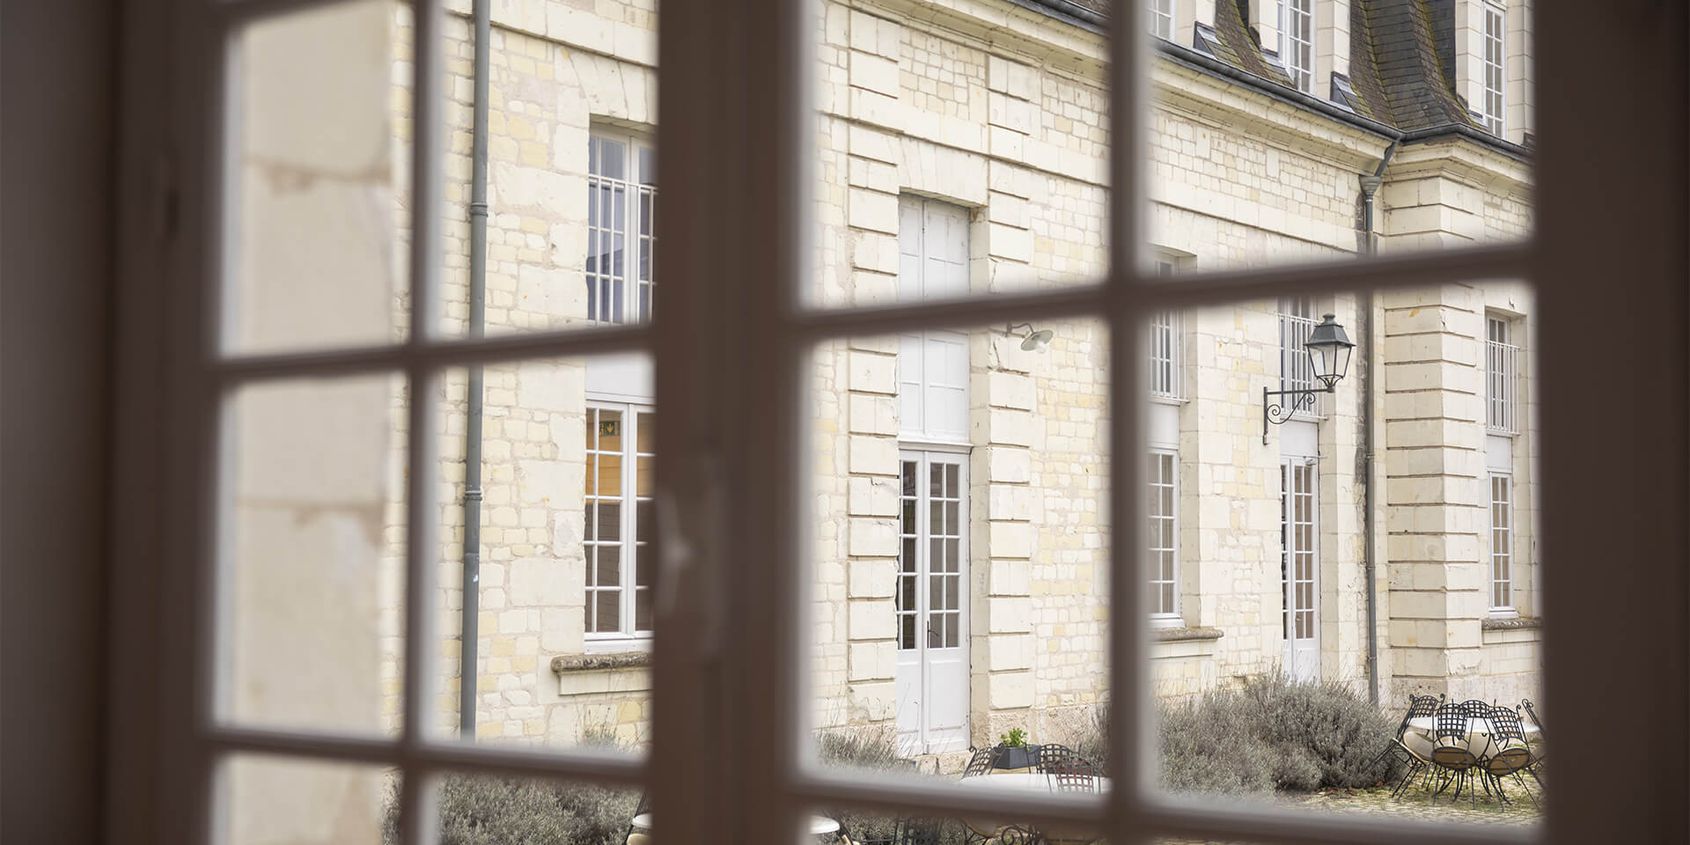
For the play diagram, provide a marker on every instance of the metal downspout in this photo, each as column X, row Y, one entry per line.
column 470, row 635
column 1369, row 246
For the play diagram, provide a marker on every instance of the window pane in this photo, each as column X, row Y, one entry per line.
column 571, row 173
column 282, row 801
column 1270, row 654
column 952, row 163
column 1000, row 621
column 312, row 213
column 567, row 533
column 490, row 809
column 311, row 555
column 1276, row 170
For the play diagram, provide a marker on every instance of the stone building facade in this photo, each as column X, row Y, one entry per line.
column 961, row 527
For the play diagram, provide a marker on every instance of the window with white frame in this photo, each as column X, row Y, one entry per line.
column 621, row 212
column 933, row 364
column 1161, row 494
column 1501, row 542
column 1296, row 371
column 1164, row 354
column 1161, row 20
column 1494, row 79
column 1502, row 361
column 1296, row 42
column 618, row 520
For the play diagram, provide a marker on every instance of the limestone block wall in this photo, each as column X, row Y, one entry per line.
column 558, row 71
column 1013, row 131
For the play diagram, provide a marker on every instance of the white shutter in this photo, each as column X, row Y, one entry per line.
column 945, row 393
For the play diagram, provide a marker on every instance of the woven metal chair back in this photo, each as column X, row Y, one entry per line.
column 1450, row 749
column 1419, row 707
column 1075, row 775
column 1509, row 751
column 979, row 764
column 1053, row 757
column 917, row 832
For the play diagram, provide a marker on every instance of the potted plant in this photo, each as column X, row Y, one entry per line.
column 1013, row 752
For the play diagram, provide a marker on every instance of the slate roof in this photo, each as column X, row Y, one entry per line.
column 1402, row 62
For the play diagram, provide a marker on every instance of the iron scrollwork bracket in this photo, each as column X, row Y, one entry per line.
column 1279, row 405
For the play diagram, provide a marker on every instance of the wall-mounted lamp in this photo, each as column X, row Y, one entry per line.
column 1032, row 341
column 1328, row 348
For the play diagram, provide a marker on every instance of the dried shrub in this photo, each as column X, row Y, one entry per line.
column 1269, row 734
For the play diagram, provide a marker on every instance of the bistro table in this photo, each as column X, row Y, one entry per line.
column 1421, row 736
column 1034, row 782
column 819, row 825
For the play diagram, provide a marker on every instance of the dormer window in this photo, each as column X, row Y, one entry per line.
column 1296, row 42
column 1492, row 101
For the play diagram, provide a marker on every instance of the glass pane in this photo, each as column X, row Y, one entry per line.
column 1254, row 174
column 1275, row 514
column 567, row 553
column 311, row 555
column 283, row 801
column 957, row 161
column 478, row 809
column 1004, row 625
column 313, row 217
column 571, row 175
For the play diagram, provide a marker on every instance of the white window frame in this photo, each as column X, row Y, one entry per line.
column 1296, row 37
column 1296, row 372
column 636, row 284
column 1500, row 542
column 1169, row 614
column 628, row 632
column 1166, row 355
column 1492, row 108
column 1502, row 376
column 741, row 778
column 1160, row 20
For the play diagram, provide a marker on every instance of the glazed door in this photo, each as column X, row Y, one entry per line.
column 932, row 595
column 1297, row 567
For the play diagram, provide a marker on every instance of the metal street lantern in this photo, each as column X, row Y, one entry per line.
column 1328, row 347
column 1329, row 352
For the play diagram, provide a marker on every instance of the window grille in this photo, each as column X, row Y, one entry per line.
column 1494, row 80
column 1161, row 21
column 1501, row 542
column 1501, row 378
column 621, row 208
column 1296, row 42
column 1163, row 536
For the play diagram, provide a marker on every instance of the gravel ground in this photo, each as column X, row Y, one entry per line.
column 1414, row 803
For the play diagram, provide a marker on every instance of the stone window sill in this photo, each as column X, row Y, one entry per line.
column 1182, row 634
column 565, row 663
column 1510, row 623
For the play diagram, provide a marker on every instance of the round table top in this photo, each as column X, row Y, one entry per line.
column 1475, row 724
column 819, row 825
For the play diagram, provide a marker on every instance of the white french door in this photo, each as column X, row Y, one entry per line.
column 932, row 603
column 1297, row 567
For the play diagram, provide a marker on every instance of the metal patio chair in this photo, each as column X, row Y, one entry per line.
column 1509, row 753
column 979, row 764
column 1053, row 757
column 1535, row 768
column 905, row 832
column 1414, row 748
column 1450, row 751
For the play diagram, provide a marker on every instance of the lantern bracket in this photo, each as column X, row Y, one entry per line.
column 1279, row 405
